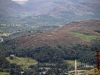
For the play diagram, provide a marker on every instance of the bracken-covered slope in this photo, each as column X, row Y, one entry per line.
column 77, row 32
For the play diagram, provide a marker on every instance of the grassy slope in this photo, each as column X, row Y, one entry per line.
column 92, row 72
column 86, row 37
column 72, row 62
column 23, row 62
column 4, row 34
column 4, row 73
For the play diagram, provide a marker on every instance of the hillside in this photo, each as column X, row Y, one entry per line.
column 78, row 32
column 43, row 15
column 52, row 32
column 54, row 50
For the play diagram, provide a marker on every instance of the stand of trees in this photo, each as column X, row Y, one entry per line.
column 47, row 54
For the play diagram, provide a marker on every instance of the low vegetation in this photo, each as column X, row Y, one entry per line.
column 72, row 62
column 92, row 72
column 23, row 62
column 86, row 37
column 4, row 73
column 4, row 34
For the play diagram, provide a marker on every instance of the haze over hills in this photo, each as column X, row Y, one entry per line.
column 8, row 7
column 52, row 7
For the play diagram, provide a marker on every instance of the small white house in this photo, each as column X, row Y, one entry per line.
column 13, row 56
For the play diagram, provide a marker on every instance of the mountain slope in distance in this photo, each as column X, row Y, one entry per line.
column 45, row 12
column 58, row 7
column 77, row 32
column 9, row 8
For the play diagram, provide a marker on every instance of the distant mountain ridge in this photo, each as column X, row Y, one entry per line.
column 51, row 7
column 9, row 8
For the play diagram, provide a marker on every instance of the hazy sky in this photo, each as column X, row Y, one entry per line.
column 93, row 1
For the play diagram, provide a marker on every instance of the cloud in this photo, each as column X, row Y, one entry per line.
column 20, row 1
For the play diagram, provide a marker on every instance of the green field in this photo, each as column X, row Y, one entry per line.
column 49, row 64
column 72, row 62
column 4, row 34
column 23, row 62
column 85, row 37
column 4, row 73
